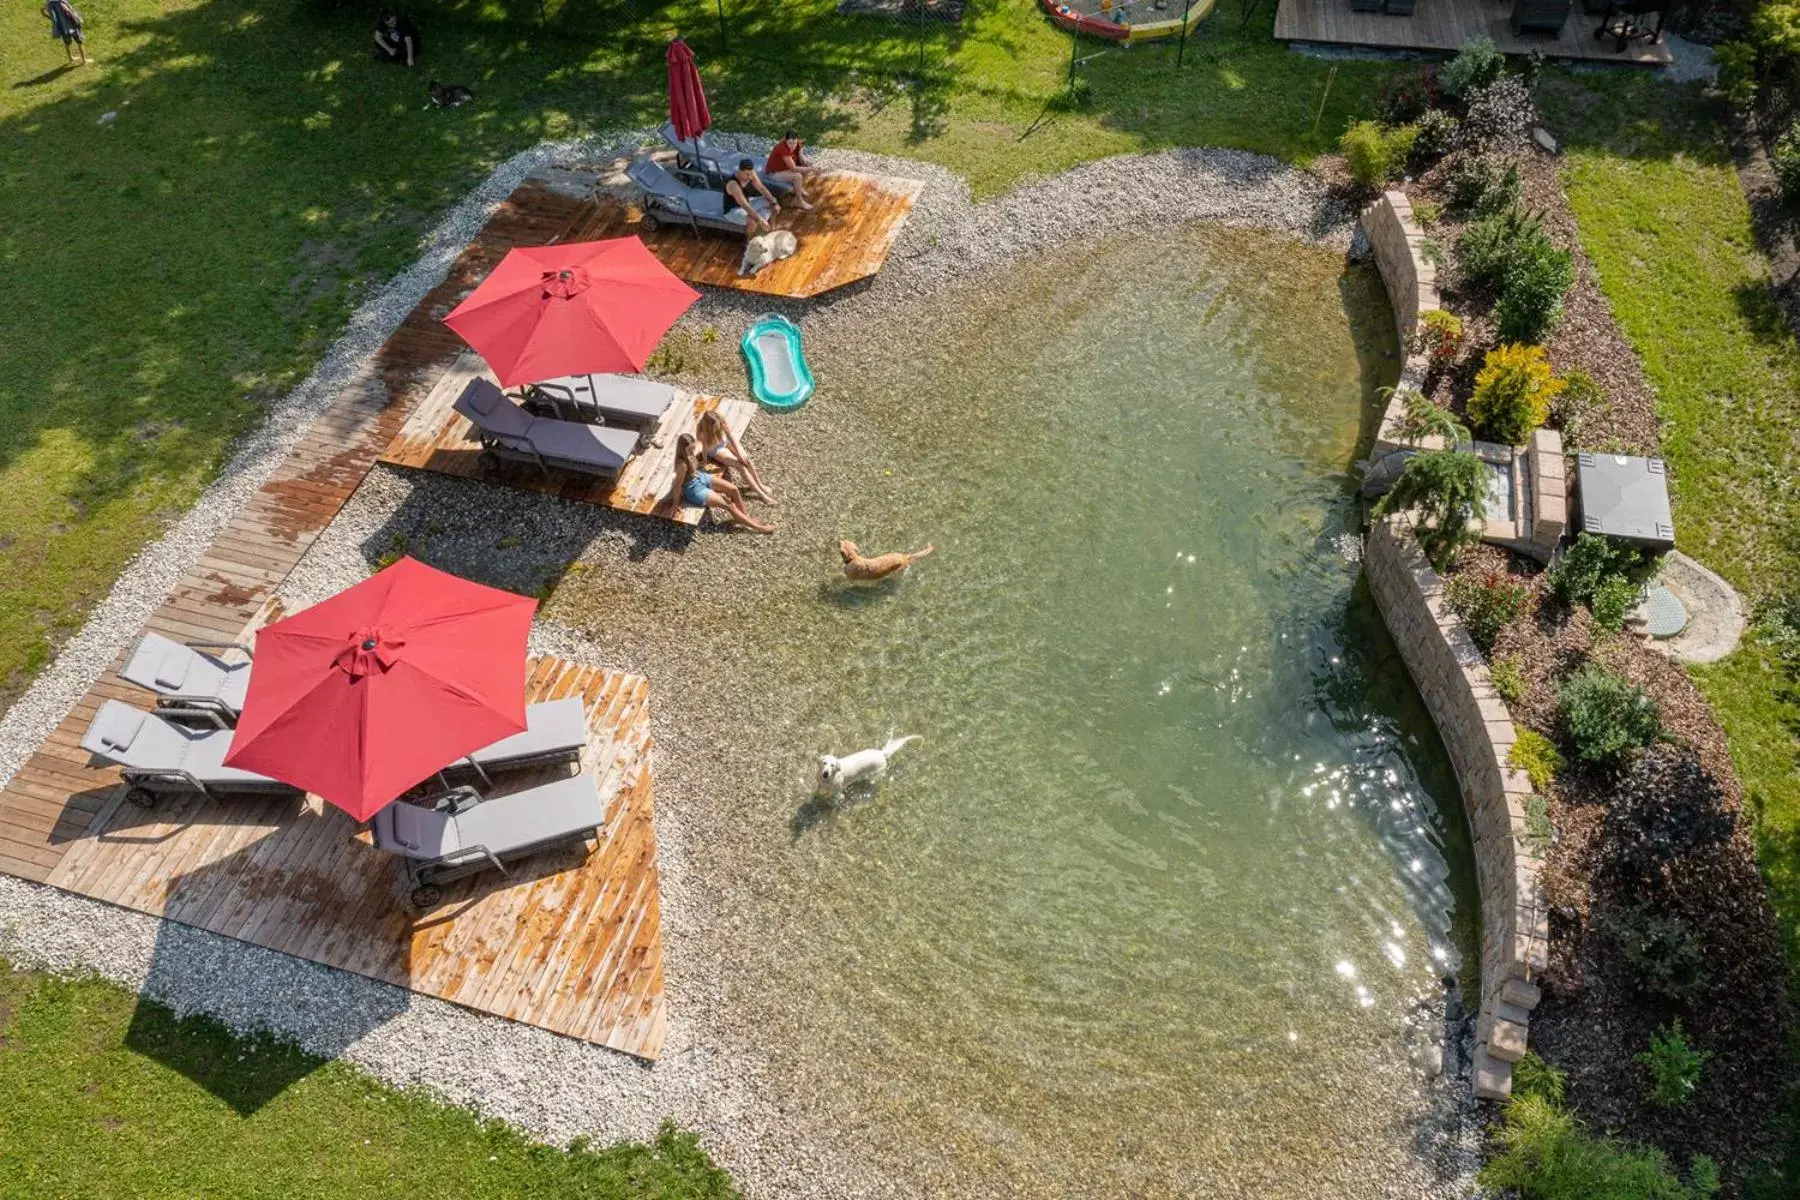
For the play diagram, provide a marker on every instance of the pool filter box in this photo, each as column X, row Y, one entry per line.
column 1627, row 497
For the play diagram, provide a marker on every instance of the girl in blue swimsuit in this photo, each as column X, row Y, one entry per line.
column 702, row 489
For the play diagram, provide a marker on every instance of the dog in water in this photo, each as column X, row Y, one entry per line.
column 449, row 95
column 859, row 569
column 836, row 774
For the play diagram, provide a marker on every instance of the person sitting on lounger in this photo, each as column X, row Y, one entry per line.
column 788, row 164
column 396, row 41
column 719, row 445
column 705, row 490
column 737, row 197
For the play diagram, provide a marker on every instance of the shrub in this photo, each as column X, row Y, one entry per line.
column 1440, row 334
column 1448, row 489
column 1402, row 99
column 1422, row 419
column 1437, row 134
column 1487, row 248
column 1600, row 573
column 1775, row 28
column 1544, row 1153
column 1512, row 393
column 1613, row 601
column 1674, row 1066
column 1485, row 183
column 1659, row 953
column 1537, row 278
column 1425, row 212
column 1508, row 677
column 1536, row 755
column 1606, row 717
column 1580, row 401
column 1532, row 1076
column 1476, row 65
column 1786, row 160
column 1499, row 115
column 1374, row 154
column 1737, row 73
column 1486, row 604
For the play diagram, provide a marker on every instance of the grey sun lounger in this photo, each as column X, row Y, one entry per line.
column 159, row 755
column 682, row 196
column 187, row 680
column 555, row 732
column 462, row 834
column 717, row 163
column 605, row 399
column 509, row 432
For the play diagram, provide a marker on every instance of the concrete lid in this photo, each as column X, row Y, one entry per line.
column 1625, row 496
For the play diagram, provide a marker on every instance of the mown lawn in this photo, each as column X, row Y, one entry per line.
column 109, row 1096
column 171, row 270
column 1662, row 216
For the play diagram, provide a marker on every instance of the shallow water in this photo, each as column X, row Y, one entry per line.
column 1147, row 908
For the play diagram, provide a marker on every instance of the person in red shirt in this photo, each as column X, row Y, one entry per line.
column 788, row 163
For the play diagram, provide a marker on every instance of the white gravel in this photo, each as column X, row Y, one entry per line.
column 711, row 1078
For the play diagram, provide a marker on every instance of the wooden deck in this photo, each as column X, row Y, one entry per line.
column 1447, row 24
column 438, row 438
column 846, row 237
column 59, row 800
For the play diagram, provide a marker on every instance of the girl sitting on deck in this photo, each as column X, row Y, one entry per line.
column 719, row 445
column 704, row 490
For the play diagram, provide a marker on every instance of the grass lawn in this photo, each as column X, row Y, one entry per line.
column 171, row 270
column 109, row 1096
column 1661, row 214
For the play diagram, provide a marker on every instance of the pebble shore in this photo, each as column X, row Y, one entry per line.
column 714, row 1076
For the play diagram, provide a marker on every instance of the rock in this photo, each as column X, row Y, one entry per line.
column 1543, row 138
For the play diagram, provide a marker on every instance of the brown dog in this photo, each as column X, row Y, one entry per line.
column 868, row 570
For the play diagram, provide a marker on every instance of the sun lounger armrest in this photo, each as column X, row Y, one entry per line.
column 213, row 709
column 464, row 855
column 137, row 775
column 691, row 177
column 220, row 646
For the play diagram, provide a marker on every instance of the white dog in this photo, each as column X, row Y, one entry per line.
column 836, row 774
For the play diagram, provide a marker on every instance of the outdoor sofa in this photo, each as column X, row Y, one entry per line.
column 462, row 834
column 510, row 433
column 683, row 196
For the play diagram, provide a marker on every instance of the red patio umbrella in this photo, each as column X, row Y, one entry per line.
column 574, row 309
column 360, row 697
column 687, row 99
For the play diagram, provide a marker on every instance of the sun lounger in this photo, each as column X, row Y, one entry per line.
column 715, row 163
column 604, row 399
column 509, row 432
column 682, row 196
column 157, row 754
column 555, row 732
column 189, row 682
column 462, row 834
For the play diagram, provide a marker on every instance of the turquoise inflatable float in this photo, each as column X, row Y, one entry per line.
column 779, row 376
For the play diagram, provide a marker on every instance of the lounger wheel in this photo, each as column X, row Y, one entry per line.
column 426, row 895
column 143, row 797
column 649, row 222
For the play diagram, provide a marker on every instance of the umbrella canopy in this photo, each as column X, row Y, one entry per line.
column 576, row 309
column 362, row 696
column 687, row 99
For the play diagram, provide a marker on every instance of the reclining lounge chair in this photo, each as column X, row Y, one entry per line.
column 682, row 197
column 187, row 681
column 462, row 834
column 156, row 754
column 716, row 164
column 508, row 432
column 555, row 732
column 603, row 399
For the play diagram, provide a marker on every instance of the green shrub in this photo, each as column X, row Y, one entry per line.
column 1489, row 244
column 1476, row 65
column 1544, row 1153
column 1486, row 603
column 1601, row 573
column 1613, row 601
column 1440, row 334
column 1402, row 99
column 1374, row 154
column 1448, row 490
column 1786, row 161
column 1509, row 678
column 1422, row 418
column 1537, row 756
column 1674, row 1066
column 1532, row 1076
column 1606, row 717
column 1660, row 953
column 1580, row 402
column 1437, row 135
column 1537, row 277
column 1775, row 28
column 1485, row 184
column 1737, row 73
column 1512, row 393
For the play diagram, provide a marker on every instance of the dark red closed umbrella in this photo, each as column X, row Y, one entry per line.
column 360, row 697
column 687, row 99
column 574, row 309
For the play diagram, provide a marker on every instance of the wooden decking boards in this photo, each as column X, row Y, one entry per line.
column 1447, row 24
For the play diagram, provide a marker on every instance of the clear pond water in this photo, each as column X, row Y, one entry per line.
column 1145, row 911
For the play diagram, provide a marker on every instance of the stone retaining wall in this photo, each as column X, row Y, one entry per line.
column 1412, row 289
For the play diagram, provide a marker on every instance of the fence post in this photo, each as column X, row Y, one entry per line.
column 1074, row 45
column 921, row 74
column 1181, row 49
column 724, row 41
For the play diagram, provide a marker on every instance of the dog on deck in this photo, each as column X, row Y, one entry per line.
column 449, row 95
column 836, row 774
column 859, row 569
column 766, row 248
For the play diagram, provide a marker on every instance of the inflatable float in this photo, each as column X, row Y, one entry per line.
column 1126, row 20
column 779, row 376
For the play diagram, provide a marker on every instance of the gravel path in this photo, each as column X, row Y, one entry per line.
column 713, row 1077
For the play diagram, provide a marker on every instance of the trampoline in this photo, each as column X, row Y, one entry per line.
column 1127, row 20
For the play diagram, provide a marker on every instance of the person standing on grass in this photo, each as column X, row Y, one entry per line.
column 788, row 164
column 396, row 41
column 65, row 23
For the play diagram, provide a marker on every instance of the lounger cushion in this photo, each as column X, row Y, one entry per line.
column 551, row 728
column 417, row 832
column 594, row 446
column 171, row 669
column 487, row 407
column 114, row 729
column 542, row 814
column 144, row 742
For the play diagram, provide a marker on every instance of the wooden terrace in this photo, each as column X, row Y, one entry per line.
column 1446, row 24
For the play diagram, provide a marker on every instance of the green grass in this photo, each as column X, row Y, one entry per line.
column 169, row 272
column 1662, row 216
column 108, row 1096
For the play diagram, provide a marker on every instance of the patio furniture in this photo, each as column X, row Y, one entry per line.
column 555, row 732
column 462, row 834
column 190, row 683
column 684, row 196
column 715, row 165
column 156, row 753
column 602, row 399
column 1540, row 16
column 510, row 433
column 1628, row 21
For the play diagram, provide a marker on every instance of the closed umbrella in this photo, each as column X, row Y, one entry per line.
column 574, row 309
column 687, row 98
column 361, row 696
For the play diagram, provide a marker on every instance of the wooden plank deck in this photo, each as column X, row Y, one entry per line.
column 847, row 236
column 438, row 438
column 60, row 805
column 1447, row 24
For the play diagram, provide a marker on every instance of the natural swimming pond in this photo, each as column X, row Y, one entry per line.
column 1146, row 910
